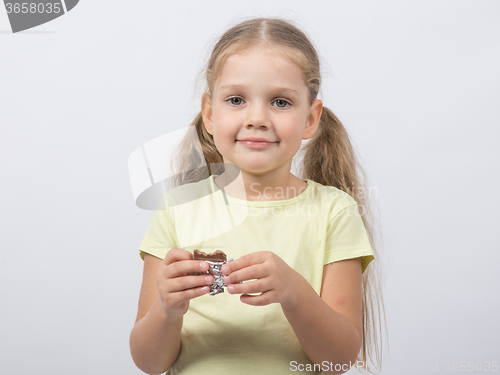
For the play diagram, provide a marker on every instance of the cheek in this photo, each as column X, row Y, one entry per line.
column 291, row 127
column 223, row 134
column 292, row 134
column 225, row 126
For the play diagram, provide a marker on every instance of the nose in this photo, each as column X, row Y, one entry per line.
column 257, row 115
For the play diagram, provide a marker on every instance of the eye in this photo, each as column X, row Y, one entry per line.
column 283, row 103
column 238, row 100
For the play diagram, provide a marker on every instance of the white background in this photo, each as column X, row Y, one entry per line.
column 416, row 83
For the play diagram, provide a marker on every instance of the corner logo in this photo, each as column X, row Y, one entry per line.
column 31, row 13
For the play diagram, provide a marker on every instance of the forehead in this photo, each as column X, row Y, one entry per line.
column 260, row 67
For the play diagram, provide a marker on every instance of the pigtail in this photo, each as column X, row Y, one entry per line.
column 329, row 156
column 330, row 159
column 196, row 148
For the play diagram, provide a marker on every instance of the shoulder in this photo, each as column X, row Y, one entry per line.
column 330, row 196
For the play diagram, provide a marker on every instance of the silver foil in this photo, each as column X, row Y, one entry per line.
column 214, row 268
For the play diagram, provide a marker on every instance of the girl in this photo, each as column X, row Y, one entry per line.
column 297, row 296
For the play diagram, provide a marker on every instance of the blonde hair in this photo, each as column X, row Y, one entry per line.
column 328, row 157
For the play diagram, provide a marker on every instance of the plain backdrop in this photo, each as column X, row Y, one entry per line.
column 416, row 83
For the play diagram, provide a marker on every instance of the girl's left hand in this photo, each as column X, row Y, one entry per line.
column 271, row 276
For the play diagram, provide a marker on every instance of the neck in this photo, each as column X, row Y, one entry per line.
column 264, row 187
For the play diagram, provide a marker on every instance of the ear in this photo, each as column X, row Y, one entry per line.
column 206, row 112
column 313, row 119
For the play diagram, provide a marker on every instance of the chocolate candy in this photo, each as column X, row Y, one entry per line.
column 215, row 262
column 216, row 256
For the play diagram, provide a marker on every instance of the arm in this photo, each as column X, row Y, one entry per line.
column 327, row 327
column 164, row 299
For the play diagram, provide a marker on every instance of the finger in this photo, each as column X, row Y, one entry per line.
column 244, row 261
column 255, row 271
column 175, row 254
column 257, row 286
column 184, row 267
column 259, row 300
column 186, row 295
column 187, row 282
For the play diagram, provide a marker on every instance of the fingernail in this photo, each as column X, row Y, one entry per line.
column 225, row 270
column 226, row 279
column 208, row 279
column 230, row 289
column 202, row 265
column 205, row 289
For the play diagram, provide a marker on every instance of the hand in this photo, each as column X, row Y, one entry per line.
column 275, row 280
column 177, row 283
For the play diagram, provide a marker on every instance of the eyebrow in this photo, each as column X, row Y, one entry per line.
column 283, row 89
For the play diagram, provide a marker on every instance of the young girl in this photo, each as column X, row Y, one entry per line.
column 297, row 291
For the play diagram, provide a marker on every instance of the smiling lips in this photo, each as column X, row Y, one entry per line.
column 252, row 142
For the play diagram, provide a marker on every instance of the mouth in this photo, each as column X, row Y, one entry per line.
column 256, row 144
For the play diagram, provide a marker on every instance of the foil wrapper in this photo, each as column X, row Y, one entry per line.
column 214, row 268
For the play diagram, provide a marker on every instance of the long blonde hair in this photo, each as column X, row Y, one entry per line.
column 328, row 157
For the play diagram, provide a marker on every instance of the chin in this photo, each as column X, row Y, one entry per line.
column 256, row 170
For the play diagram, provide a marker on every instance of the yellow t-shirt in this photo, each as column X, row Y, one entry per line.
column 220, row 334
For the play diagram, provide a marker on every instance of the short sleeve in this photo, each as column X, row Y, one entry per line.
column 160, row 234
column 347, row 237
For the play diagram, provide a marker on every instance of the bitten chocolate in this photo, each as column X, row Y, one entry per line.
column 215, row 262
column 216, row 256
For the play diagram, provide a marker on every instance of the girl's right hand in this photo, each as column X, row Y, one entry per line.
column 177, row 283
